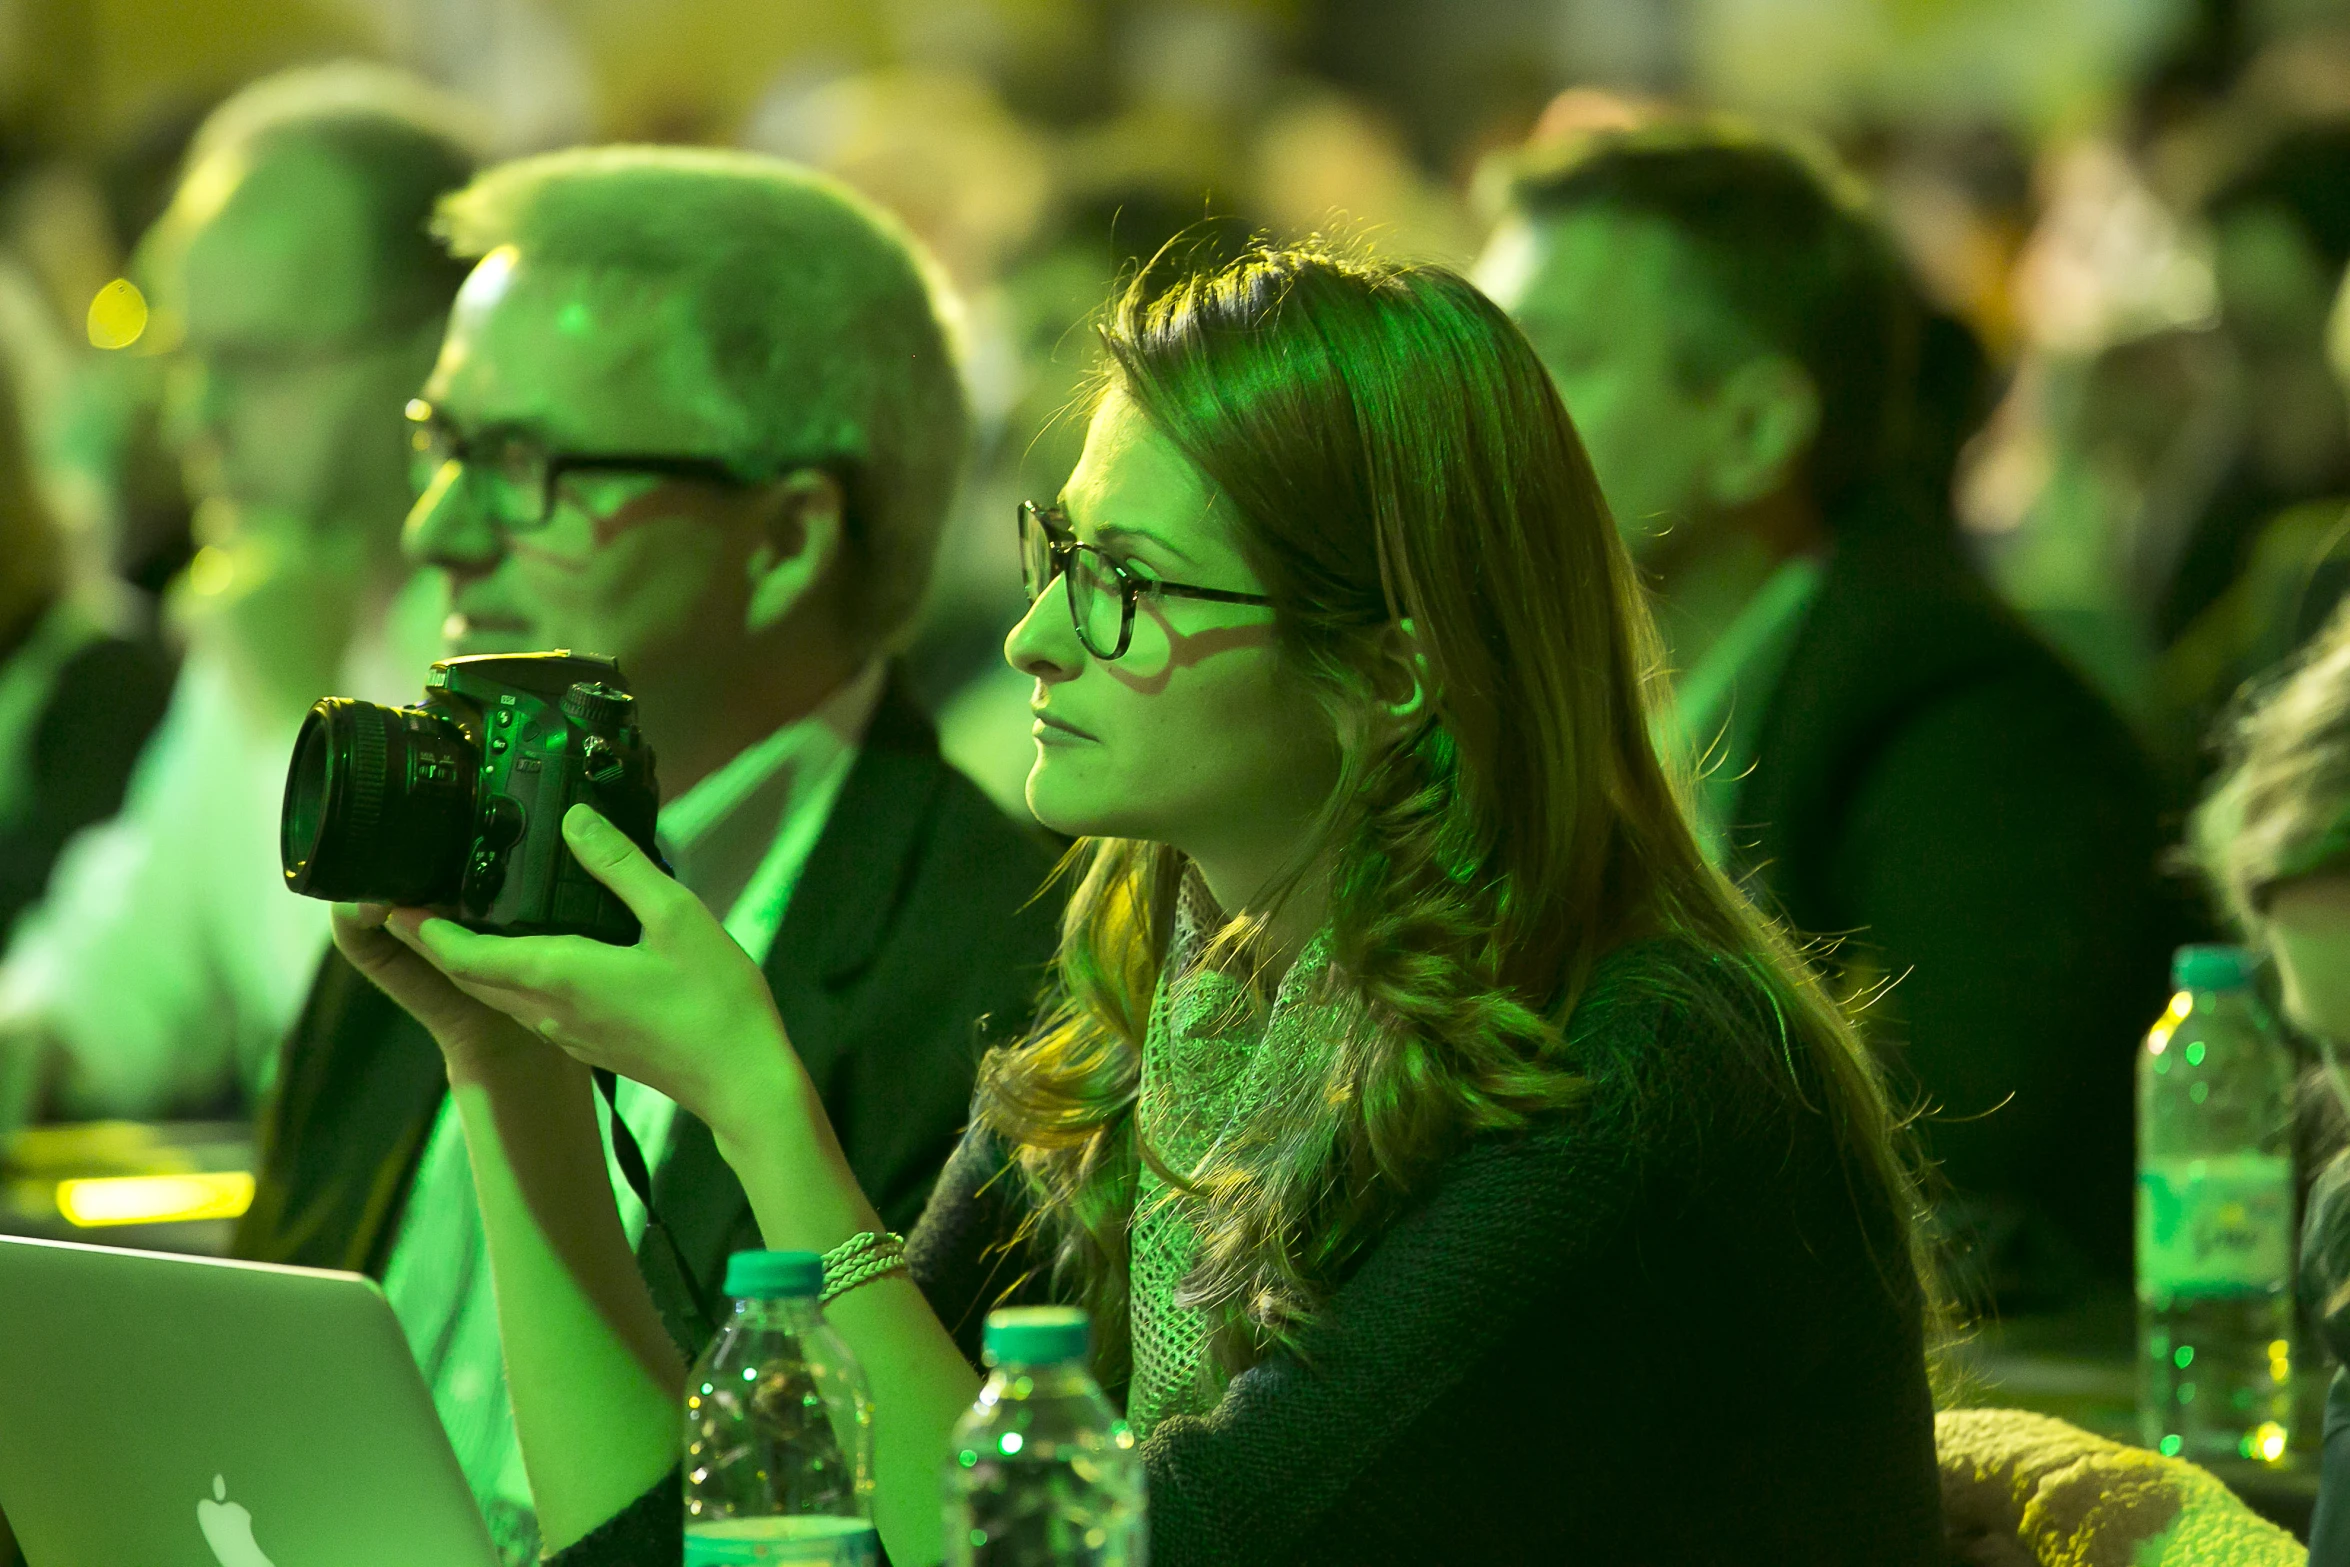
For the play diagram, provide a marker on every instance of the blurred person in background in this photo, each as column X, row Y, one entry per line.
column 697, row 411
column 2254, row 574
column 83, row 680
column 1886, row 755
column 2280, row 237
column 294, row 268
column 2273, row 837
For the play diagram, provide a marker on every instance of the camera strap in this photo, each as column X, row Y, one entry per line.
column 640, row 1181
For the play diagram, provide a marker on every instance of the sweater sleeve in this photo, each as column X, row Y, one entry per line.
column 968, row 1253
column 648, row 1532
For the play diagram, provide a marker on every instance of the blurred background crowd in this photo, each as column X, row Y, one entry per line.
column 2124, row 223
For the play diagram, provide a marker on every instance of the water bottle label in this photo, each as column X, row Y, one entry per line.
column 2215, row 1226
column 781, row 1542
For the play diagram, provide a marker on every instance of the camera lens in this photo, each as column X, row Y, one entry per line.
column 379, row 804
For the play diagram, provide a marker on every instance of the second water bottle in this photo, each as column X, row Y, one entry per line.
column 1042, row 1472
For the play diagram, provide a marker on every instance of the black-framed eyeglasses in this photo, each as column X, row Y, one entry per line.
column 1102, row 589
column 519, row 474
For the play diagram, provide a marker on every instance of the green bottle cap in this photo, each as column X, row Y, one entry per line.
column 1037, row 1335
column 775, row 1275
column 2210, row 968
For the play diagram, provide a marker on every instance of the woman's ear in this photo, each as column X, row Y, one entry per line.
column 1400, row 682
column 800, row 540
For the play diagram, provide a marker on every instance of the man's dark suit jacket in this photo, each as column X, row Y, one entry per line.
column 914, row 938
column 1934, row 786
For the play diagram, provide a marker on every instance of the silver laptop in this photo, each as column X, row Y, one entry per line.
column 184, row 1412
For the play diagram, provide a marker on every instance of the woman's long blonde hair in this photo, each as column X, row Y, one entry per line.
column 1389, row 447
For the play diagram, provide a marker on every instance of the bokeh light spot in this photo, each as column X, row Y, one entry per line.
column 118, row 315
column 211, row 571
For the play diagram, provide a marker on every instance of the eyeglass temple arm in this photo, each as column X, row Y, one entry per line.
column 1213, row 595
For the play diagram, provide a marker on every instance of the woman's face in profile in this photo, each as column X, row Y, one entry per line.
column 2308, row 934
column 1198, row 736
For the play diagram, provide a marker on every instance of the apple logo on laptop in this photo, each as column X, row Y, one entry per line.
column 228, row 1529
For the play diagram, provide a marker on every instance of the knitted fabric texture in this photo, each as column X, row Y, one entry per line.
column 2030, row 1490
column 1213, row 1055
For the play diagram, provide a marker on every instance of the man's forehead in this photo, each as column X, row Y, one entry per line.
column 570, row 347
column 1599, row 248
column 278, row 248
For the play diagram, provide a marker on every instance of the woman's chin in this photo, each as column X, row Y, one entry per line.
column 1070, row 807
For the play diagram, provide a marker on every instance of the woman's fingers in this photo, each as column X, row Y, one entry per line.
column 453, row 1016
column 613, row 858
column 499, row 962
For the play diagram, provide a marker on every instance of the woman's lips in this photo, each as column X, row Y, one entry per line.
column 1051, row 730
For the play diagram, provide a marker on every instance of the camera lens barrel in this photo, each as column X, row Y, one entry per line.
column 379, row 804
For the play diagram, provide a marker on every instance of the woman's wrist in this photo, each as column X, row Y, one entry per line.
column 781, row 1147
column 765, row 1098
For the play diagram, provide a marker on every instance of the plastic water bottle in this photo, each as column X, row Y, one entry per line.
column 2215, row 1219
column 1042, row 1472
column 778, row 1429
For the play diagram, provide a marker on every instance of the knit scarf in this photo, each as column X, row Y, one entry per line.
column 1213, row 1056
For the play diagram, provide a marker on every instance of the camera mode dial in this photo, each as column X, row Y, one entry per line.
column 599, row 706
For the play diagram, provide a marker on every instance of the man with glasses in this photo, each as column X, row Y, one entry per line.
column 696, row 411
column 299, row 300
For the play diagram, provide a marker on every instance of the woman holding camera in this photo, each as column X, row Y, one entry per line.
column 1456, row 1168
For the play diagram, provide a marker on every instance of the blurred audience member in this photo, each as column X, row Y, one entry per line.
column 2117, row 424
column 1885, row 754
column 2271, row 556
column 1324, row 161
column 2280, row 232
column 294, row 268
column 2274, row 840
column 82, row 682
column 768, row 351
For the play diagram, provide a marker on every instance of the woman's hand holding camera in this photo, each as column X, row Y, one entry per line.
column 684, row 1011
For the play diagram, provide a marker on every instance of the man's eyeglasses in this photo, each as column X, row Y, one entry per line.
column 1102, row 590
column 518, row 475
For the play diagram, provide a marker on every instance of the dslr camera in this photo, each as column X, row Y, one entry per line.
column 457, row 804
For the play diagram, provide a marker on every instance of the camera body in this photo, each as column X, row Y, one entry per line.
column 457, row 804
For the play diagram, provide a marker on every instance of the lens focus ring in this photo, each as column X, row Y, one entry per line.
column 365, row 802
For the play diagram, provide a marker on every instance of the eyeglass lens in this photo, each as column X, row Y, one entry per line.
column 1097, row 598
column 512, row 475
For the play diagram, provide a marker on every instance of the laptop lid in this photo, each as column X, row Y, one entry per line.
column 188, row 1412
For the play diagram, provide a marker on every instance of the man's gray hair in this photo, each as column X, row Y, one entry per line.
column 822, row 319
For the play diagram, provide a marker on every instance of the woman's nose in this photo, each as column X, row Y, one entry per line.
column 1044, row 644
